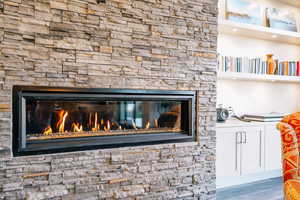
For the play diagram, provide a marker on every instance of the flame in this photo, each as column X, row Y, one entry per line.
column 134, row 125
column 96, row 120
column 94, row 123
column 62, row 115
column 107, row 128
column 147, row 125
column 47, row 130
column 77, row 127
column 96, row 126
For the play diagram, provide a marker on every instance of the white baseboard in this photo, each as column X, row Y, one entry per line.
column 239, row 180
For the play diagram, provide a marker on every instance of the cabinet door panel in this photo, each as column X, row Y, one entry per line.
column 252, row 160
column 272, row 148
column 228, row 153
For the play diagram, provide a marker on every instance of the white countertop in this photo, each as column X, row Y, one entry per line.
column 237, row 123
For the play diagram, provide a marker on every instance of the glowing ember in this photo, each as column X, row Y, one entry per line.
column 147, row 125
column 77, row 127
column 47, row 131
column 62, row 115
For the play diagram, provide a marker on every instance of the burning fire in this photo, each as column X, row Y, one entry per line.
column 47, row 131
column 77, row 127
column 62, row 115
column 93, row 125
column 96, row 126
column 107, row 127
column 147, row 125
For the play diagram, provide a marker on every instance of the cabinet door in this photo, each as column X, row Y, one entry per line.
column 252, row 152
column 228, row 152
column 272, row 148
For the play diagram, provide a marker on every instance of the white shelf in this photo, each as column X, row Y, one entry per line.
column 291, row 2
column 257, row 77
column 260, row 32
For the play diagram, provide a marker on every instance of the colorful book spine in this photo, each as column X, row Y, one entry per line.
column 258, row 66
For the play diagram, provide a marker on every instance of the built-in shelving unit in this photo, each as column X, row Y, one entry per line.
column 257, row 77
column 254, row 93
column 291, row 2
column 251, row 93
column 259, row 32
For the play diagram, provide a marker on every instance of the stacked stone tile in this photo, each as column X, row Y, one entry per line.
column 137, row 44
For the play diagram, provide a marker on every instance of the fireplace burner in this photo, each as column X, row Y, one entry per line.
column 49, row 120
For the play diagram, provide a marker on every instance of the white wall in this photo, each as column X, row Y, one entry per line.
column 230, row 45
column 259, row 97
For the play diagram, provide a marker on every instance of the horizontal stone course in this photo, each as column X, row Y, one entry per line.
column 136, row 44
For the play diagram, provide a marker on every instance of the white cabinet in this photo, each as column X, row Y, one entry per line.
column 228, row 153
column 239, row 151
column 252, row 150
column 247, row 153
column 272, row 148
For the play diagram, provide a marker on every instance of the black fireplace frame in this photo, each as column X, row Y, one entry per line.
column 20, row 93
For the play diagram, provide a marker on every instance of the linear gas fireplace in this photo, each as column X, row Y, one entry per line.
column 48, row 120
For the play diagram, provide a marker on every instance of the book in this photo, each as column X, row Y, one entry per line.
column 264, row 118
column 298, row 68
column 272, row 115
column 258, row 66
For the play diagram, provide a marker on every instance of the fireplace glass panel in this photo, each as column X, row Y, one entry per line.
column 72, row 119
column 53, row 120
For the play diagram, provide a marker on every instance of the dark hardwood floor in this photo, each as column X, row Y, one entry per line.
column 270, row 189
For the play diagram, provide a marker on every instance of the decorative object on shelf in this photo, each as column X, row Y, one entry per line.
column 281, row 19
column 244, row 11
column 271, row 65
column 222, row 114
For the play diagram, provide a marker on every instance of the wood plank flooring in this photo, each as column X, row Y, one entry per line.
column 270, row 189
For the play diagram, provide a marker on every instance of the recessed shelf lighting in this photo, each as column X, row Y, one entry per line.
column 274, row 36
column 234, row 30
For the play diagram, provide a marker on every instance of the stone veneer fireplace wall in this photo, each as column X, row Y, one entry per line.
column 146, row 44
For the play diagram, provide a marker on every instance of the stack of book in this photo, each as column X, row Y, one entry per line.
column 258, row 66
column 264, row 118
column 291, row 68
